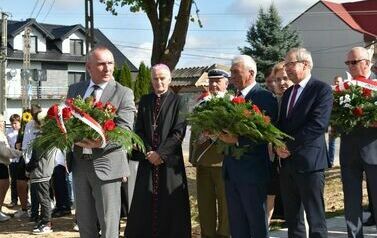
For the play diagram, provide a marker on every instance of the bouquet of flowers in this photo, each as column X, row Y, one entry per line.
column 235, row 116
column 77, row 119
column 355, row 104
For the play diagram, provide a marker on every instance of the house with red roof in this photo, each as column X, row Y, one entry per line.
column 329, row 30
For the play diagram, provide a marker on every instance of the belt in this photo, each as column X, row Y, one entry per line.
column 86, row 157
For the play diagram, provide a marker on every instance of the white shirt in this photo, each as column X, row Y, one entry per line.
column 12, row 139
column 31, row 131
column 88, row 92
column 302, row 84
column 246, row 90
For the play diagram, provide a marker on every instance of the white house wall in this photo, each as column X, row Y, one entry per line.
column 74, row 36
column 18, row 43
column 328, row 38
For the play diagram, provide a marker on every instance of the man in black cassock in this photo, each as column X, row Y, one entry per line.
column 160, row 204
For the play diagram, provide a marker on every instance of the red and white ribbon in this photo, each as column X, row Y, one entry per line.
column 82, row 116
column 365, row 83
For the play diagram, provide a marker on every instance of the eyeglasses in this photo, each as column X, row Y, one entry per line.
column 292, row 63
column 353, row 62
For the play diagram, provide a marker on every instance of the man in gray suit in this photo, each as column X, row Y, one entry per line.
column 98, row 170
column 358, row 153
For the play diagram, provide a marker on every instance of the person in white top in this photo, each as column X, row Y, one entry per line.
column 12, row 134
column 4, row 174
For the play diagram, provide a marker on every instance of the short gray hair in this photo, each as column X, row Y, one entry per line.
column 302, row 54
column 247, row 62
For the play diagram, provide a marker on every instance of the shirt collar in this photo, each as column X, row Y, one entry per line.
column 101, row 85
column 246, row 90
column 305, row 81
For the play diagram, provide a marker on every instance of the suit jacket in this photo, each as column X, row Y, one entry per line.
column 307, row 124
column 252, row 167
column 362, row 138
column 109, row 162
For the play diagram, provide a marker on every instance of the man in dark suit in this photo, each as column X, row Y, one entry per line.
column 246, row 178
column 358, row 154
column 305, row 113
column 98, row 170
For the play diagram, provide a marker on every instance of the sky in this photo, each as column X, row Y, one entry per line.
column 225, row 24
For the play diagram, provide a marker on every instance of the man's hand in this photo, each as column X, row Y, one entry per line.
column 90, row 144
column 228, row 138
column 283, row 152
column 154, row 158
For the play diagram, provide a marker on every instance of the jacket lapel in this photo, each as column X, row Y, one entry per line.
column 108, row 92
column 82, row 88
column 250, row 94
column 303, row 95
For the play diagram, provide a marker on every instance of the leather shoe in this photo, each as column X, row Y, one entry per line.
column 370, row 221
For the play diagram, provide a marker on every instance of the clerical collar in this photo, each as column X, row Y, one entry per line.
column 162, row 95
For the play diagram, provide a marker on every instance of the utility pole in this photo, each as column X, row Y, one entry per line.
column 3, row 61
column 25, row 76
column 89, row 25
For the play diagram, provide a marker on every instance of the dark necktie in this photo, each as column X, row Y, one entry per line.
column 293, row 99
column 239, row 93
column 95, row 92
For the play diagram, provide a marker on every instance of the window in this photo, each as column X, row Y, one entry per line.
column 75, row 77
column 33, row 44
column 76, row 47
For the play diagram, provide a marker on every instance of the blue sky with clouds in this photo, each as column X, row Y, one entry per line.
column 225, row 23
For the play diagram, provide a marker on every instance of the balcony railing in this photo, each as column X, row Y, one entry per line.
column 41, row 93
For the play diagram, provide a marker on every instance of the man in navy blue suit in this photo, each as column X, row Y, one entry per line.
column 245, row 178
column 305, row 113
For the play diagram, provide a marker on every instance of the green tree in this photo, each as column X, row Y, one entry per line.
column 125, row 76
column 116, row 74
column 167, row 44
column 142, row 84
column 269, row 40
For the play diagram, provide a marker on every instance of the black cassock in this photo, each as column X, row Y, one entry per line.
column 160, row 204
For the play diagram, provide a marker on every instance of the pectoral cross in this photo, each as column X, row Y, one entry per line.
column 154, row 127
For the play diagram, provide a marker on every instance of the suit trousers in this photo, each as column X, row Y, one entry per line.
column 305, row 189
column 95, row 200
column 213, row 214
column 352, row 177
column 246, row 209
column 13, row 182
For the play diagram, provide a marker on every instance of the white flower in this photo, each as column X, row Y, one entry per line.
column 375, row 103
column 347, row 105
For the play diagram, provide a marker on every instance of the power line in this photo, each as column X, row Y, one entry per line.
column 40, row 9
column 185, row 54
column 48, row 12
column 35, row 6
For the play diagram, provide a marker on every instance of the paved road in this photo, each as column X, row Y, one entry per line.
column 336, row 227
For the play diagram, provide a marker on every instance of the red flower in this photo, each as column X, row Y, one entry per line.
column 110, row 107
column 266, row 119
column 238, row 100
column 98, row 105
column 52, row 111
column 346, row 85
column 69, row 101
column 367, row 92
column 358, row 111
column 67, row 113
column 256, row 109
column 109, row 125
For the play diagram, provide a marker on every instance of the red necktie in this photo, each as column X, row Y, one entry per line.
column 293, row 99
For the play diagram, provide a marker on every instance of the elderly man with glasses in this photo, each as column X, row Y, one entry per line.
column 304, row 114
column 358, row 154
